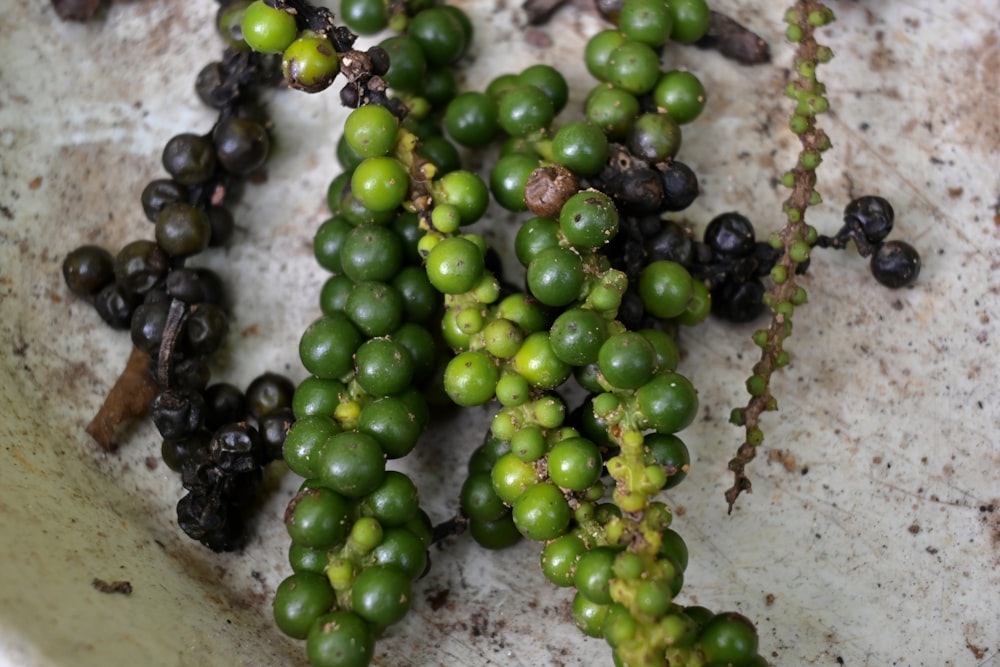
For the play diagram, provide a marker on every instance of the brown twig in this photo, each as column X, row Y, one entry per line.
column 130, row 397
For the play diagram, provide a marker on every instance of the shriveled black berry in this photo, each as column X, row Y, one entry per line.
column 140, row 266
column 350, row 96
column 182, row 229
column 236, row 448
column 158, row 194
column 896, row 264
column 178, row 413
column 148, row 324
column 680, row 186
column 273, row 429
column 379, row 59
column 176, row 453
column 115, row 306
column 241, row 144
column 209, row 518
column 738, row 301
column 730, row 235
column 269, row 392
column 189, row 158
column 226, row 404
column 874, row 215
column 87, row 270
column 205, row 328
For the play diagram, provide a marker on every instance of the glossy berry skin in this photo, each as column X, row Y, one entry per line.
column 299, row 600
column 873, row 214
column 189, row 158
column 580, row 147
column 87, row 270
column 351, row 463
column 470, row 378
column 691, row 19
column 408, row 64
column 524, row 110
column 654, row 137
column 455, row 265
column 549, row 80
column 440, row 34
column 575, row 464
column 371, row 130
column 559, row 558
column 340, row 639
column 318, row 517
column 327, row 347
column 541, row 513
column 665, row 288
column 508, row 178
column 266, row 29
column 668, row 403
column 681, row 94
column 597, row 52
column 380, row 183
column 627, row 360
column 310, row 64
column 381, row 595
column 241, row 144
column 589, row 219
column 730, row 235
column 471, row 119
column 365, row 17
column 728, row 638
column 182, row 230
column 612, row 109
column 555, row 276
column 896, row 264
column 634, row 67
column 647, row 21
column 594, row 573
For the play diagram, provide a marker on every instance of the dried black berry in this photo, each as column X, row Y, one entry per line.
column 896, row 264
column 178, row 413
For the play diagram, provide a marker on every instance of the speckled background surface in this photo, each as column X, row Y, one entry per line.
column 873, row 533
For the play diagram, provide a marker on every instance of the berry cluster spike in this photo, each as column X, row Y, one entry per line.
column 796, row 238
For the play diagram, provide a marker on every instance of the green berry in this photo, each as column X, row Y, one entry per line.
column 266, row 29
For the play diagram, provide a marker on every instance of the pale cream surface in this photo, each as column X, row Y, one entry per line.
column 873, row 532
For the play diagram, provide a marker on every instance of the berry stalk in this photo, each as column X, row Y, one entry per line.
column 796, row 237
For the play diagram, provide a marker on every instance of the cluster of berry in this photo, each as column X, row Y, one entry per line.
column 216, row 436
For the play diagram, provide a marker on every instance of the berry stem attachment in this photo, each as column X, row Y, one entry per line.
column 796, row 237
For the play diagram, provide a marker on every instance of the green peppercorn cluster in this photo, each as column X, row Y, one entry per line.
column 401, row 209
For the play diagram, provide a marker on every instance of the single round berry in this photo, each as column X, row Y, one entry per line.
column 380, row 183
column 647, row 21
column 340, row 639
column 874, row 215
column 310, row 64
column 381, row 595
column 681, row 94
column 266, row 29
column 371, row 130
column 524, row 110
column 87, row 270
column 665, row 288
column 580, row 147
column 896, row 264
column 299, row 600
column 455, row 265
column 542, row 513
